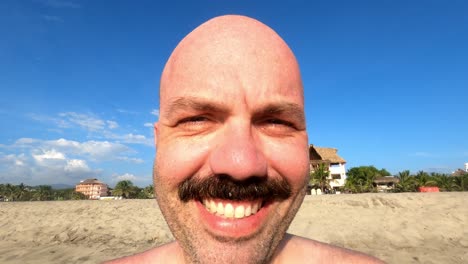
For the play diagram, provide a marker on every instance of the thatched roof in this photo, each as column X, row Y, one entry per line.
column 459, row 172
column 326, row 154
column 90, row 181
column 386, row 180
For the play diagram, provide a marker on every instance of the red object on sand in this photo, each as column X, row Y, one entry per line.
column 428, row 189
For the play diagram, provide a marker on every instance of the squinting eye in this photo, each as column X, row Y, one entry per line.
column 277, row 127
column 280, row 122
column 193, row 120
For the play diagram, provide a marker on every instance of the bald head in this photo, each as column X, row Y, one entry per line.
column 230, row 52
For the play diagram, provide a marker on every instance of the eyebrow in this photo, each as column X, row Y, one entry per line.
column 197, row 104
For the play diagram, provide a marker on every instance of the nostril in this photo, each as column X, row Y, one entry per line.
column 239, row 162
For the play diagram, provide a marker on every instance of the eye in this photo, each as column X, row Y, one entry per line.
column 277, row 127
column 279, row 122
column 193, row 120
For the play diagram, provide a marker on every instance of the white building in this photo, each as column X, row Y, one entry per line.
column 466, row 167
column 335, row 164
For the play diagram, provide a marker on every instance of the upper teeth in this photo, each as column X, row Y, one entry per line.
column 232, row 211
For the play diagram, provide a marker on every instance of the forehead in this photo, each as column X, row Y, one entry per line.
column 242, row 62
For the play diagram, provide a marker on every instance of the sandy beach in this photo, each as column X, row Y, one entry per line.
column 398, row 228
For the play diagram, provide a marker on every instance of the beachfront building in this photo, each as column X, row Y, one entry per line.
column 92, row 188
column 334, row 163
column 458, row 172
column 386, row 183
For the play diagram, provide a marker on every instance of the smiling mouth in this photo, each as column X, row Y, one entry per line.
column 232, row 210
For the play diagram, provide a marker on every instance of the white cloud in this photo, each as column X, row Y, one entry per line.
column 49, row 158
column 126, row 176
column 12, row 159
column 47, row 119
column 155, row 112
column 44, row 167
column 14, row 168
column 112, row 124
column 85, row 121
column 49, row 155
column 141, row 181
column 19, row 162
column 55, row 149
column 132, row 160
column 132, row 139
column 88, row 122
column 25, row 141
column 99, row 127
column 148, row 124
column 103, row 149
column 63, row 143
column 75, row 165
column 96, row 150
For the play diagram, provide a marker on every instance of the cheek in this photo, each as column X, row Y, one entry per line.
column 179, row 160
column 290, row 161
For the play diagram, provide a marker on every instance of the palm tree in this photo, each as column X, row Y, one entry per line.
column 319, row 177
column 148, row 191
column 78, row 196
column 460, row 182
column 21, row 191
column 43, row 193
column 444, row 182
column 423, row 179
column 406, row 183
column 10, row 192
column 2, row 190
column 124, row 188
column 354, row 184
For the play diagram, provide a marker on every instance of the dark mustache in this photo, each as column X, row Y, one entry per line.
column 226, row 188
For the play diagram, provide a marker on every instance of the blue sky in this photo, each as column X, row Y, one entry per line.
column 386, row 82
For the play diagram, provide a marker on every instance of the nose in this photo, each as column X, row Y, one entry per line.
column 238, row 153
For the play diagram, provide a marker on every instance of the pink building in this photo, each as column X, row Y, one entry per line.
column 92, row 188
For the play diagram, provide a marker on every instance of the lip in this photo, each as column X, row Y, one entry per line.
column 232, row 227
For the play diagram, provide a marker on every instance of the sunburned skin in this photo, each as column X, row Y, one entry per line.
column 232, row 160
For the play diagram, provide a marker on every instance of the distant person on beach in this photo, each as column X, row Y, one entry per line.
column 232, row 162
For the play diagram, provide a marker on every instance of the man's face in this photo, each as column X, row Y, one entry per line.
column 232, row 150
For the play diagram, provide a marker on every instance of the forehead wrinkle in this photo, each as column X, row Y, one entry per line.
column 194, row 104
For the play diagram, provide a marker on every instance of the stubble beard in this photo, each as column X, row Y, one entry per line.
column 199, row 246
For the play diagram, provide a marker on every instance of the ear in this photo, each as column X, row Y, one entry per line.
column 156, row 133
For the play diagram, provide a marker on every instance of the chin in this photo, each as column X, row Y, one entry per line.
column 258, row 249
column 203, row 242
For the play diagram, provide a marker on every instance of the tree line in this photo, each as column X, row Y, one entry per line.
column 361, row 179
column 22, row 192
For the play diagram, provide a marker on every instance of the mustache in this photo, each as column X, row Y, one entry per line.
column 226, row 188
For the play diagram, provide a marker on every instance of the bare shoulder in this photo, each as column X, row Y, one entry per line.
column 295, row 249
column 167, row 253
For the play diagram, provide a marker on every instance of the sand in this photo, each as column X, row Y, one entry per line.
column 398, row 228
